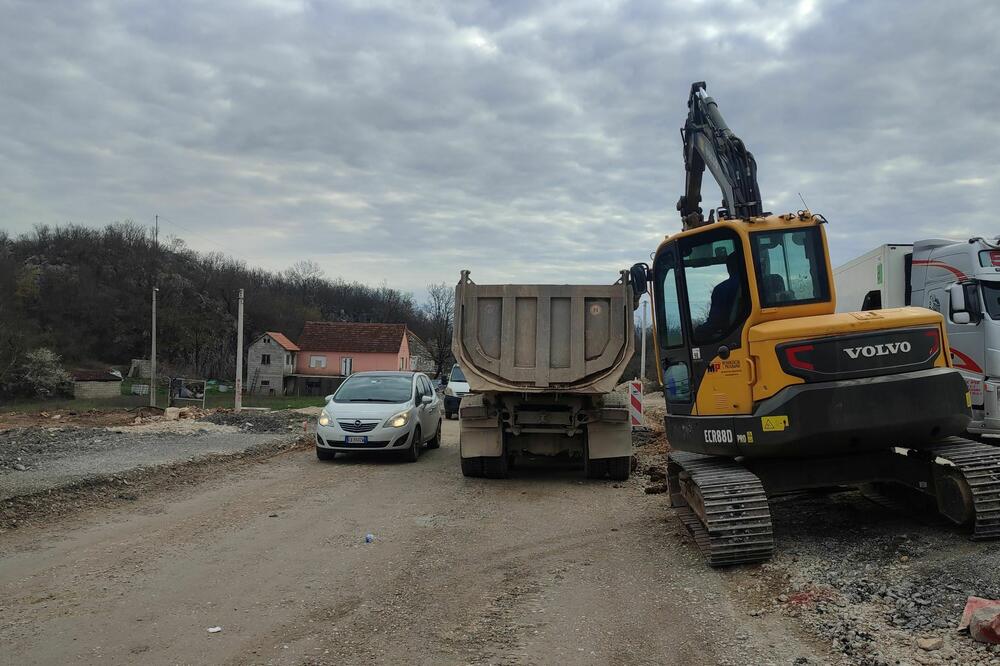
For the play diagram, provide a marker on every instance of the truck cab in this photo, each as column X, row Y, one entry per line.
column 961, row 280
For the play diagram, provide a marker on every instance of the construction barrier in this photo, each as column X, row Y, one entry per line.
column 635, row 403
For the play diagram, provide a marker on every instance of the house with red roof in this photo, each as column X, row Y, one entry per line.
column 327, row 352
column 271, row 359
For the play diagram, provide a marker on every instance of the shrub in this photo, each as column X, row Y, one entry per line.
column 41, row 374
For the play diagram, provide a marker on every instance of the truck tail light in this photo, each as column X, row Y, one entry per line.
column 935, row 337
column 792, row 354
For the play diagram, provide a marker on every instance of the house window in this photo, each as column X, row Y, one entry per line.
column 317, row 361
column 288, row 359
column 402, row 363
column 265, row 382
column 346, row 366
column 265, row 359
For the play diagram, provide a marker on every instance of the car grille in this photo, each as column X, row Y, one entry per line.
column 352, row 426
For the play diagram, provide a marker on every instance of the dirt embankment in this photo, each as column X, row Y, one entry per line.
column 48, row 469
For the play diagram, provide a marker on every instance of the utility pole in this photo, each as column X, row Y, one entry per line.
column 239, row 355
column 152, row 358
column 645, row 304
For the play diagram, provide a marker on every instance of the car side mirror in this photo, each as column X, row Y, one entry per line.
column 328, row 398
column 426, row 400
column 961, row 317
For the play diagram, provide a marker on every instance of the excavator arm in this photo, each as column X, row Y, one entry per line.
column 708, row 141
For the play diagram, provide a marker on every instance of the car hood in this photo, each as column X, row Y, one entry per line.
column 364, row 410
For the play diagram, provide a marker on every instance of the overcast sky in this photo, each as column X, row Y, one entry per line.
column 526, row 141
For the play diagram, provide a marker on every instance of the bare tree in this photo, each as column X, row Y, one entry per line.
column 440, row 312
column 306, row 276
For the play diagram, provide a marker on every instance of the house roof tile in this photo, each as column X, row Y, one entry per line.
column 343, row 336
column 280, row 338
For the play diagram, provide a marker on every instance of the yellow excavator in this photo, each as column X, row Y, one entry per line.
column 768, row 391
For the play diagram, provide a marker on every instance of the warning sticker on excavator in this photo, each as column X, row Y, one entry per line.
column 773, row 423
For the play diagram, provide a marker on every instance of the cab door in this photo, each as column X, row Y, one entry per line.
column 717, row 304
column 671, row 332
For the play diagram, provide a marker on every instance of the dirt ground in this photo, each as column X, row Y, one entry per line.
column 84, row 418
column 542, row 568
column 269, row 545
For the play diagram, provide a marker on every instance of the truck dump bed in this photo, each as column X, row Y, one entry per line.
column 539, row 338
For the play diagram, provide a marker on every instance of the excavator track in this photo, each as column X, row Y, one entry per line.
column 724, row 507
column 979, row 465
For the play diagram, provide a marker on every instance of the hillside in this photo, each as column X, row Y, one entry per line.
column 85, row 294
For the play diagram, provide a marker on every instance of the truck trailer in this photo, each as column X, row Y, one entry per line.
column 958, row 278
column 542, row 362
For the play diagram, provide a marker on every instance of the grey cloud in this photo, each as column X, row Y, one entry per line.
column 526, row 141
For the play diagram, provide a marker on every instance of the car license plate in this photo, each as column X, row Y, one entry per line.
column 357, row 439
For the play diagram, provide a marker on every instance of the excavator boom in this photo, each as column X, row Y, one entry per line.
column 708, row 141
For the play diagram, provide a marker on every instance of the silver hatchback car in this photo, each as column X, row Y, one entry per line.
column 380, row 411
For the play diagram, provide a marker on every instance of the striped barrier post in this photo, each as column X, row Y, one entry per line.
column 635, row 403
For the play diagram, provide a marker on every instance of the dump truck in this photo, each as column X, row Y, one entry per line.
column 542, row 362
column 958, row 278
column 770, row 391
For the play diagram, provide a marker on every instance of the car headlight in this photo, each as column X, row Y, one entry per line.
column 449, row 391
column 324, row 419
column 398, row 420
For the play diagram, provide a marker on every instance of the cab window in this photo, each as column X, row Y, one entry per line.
column 671, row 333
column 791, row 267
column 716, row 285
column 991, row 296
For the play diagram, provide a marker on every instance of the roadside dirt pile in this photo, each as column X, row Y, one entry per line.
column 90, row 417
column 653, row 410
column 262, row 422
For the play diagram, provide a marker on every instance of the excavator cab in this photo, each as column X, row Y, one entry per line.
column 708, row 283
column 751, row 355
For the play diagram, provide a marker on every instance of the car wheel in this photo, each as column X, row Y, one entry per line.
column 412, row 453
column 435, row 442
column 325, row 454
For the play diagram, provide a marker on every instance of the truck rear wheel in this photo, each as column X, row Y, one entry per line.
column 596, row 468
column 495, row 467
column 472, row 467
column 619, row 468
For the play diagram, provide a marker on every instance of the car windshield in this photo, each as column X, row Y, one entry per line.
column 791, row 267
column 375, row 388
column 991, row 296
column 457, row 375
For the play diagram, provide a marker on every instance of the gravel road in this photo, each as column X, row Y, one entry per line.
column 542, row 568
column 34, row 460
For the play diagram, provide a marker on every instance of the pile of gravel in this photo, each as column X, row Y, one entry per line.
column 22, row 449
column 872, row 580
column 257, row 422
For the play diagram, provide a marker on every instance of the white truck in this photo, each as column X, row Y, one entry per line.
column 542, row 362
column 958, row 278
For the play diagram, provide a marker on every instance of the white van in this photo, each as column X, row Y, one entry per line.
column 456, row 389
